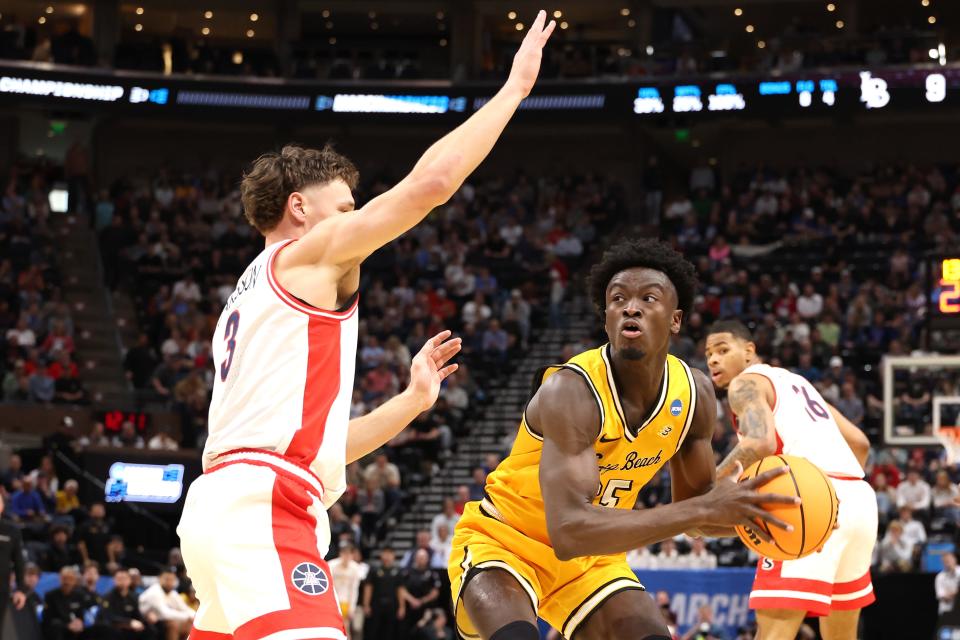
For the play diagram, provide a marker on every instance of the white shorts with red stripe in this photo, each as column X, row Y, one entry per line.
column 838, row 577
column 253, row 536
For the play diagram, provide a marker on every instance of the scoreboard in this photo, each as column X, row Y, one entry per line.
column 819, row 92
column 945, row 292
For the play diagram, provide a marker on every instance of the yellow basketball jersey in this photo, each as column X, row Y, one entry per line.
column 627, row 457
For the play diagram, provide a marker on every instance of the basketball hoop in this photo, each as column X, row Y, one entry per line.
column 949, row 437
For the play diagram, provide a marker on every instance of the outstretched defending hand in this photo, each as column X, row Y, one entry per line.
column 429, row 367
column 526, row 62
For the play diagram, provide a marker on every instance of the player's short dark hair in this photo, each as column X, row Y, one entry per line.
column 649, row 254
column 274, row 176
column 734, row 327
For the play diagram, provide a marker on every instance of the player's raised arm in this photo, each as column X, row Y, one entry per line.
column 692, row 471
column 751, row 398
column 564, row 412
column 436, row 176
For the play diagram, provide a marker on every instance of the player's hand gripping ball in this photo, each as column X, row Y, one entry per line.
column 813, row 519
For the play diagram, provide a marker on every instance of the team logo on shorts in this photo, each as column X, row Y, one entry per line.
column 676, row 407
column 310, row 579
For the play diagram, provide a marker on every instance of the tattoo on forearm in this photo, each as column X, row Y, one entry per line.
column 748, row 403
column 741, row 454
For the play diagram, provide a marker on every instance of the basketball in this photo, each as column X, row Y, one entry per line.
column 813, row 519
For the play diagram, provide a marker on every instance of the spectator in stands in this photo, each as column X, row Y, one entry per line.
column 94, row 535
column 441, row 545
column 419, row 589
column 385, row 474
column 886, row 498
column 26, row 503
column 58, row 340
column 163, row 441
column 371, row 502
column 140, row 362
column 895, row 552
column 463, row 497
column 11, row 565
column 478, row 484
column 946, row 584
column 90, row 578
column 96, row 438
column 381, row 605
column 14, row 472
column 42, row 386
column 944, row 496
column 60, row 552
column 128, row 436
column 642, row 559
column 913, row 530
column 914, row 493
column 161, row 604
column 64, row 608
column 68, row 389
column 339, row 527
column 61, row 366
column 669, row 557
column 348, row 573
column 810, row 304
column 496, row 341
column 448, row 516
column 31, row 578
column 849, row 404
column 422, row 542
column 699, row 556
column 121, row 612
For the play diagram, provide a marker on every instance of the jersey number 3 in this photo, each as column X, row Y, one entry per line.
column 230, row 335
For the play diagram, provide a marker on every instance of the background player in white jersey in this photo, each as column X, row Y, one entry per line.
column 776, row 412
column 254, row 529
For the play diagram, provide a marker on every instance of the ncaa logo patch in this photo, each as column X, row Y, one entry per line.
column 676, row 407
column 310, row 579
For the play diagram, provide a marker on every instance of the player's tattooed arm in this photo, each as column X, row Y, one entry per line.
column 751, row 397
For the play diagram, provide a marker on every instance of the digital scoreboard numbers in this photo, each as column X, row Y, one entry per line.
column 948, row 300
column 944, row 309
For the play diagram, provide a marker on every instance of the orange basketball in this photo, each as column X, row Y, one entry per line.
column 813, row 519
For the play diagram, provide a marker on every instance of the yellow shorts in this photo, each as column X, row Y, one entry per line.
column 564, row 593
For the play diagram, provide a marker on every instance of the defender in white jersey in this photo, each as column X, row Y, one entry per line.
column 254, row 529
column 777, row 411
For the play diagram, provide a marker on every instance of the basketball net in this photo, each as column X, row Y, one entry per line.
column 949, row 437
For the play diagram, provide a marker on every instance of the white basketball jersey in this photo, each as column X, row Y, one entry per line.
column 284, row 376
column 805, row 426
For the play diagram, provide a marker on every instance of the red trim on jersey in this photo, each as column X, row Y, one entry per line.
column 849, row 605
column 291, row 301
column 812, row 607
column 853, row 586
column 295, row 539
column 319, row 392
column 773, row 579
column 265, row 452
column 200, row 634
column 279, row 470
column 842, row 476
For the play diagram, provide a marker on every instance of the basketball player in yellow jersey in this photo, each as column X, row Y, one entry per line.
column 551, row 534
